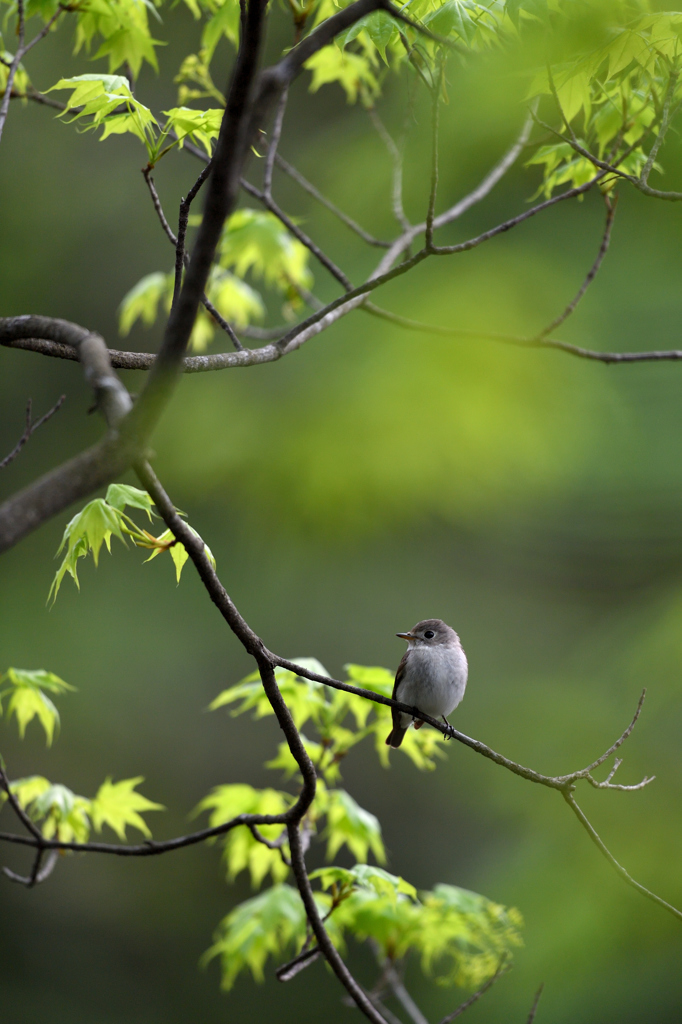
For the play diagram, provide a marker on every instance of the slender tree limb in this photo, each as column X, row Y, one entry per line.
column 322, row 199
column 265, row 661
column 111, row 396
column 475, row 196
column 397, row 160
column 170, row 234
column 665, row 124
column 598, row 842
column 275, row 136
column 324, row 942
column 435, row 100
column 449, row 1017
column 30, row 429
column 296, row 231
column 534, row 1007
column 22, row 49
column 592, row 272
column 402, row 995
column 21, row 814
column 208, row 305
column 610, row 168
column 183, row 218
column 299, row 963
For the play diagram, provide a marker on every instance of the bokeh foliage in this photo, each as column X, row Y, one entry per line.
column 379, row 475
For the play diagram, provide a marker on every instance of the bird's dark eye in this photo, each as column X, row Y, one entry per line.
column 428, row 634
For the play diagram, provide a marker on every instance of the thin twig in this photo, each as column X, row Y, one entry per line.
column 147, row 174
column 274, row 142
column 592, row 272
column 31, row 429
column 434, row 158
column 534, row 1007
column 296, row 231
column 502, row 969
column 208, row 305
column 402, row 995
column 321, row 198
column 22, row 49
column 665, row 123
column 299, row 963
column 397, row 160
column 276, row 845
column 183, row 218
column 598, row 842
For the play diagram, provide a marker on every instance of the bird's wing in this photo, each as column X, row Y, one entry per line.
column 399, row 677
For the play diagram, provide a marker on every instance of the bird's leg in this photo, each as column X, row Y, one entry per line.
column 451, row 732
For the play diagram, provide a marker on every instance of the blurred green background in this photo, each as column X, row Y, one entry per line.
column 374, row 478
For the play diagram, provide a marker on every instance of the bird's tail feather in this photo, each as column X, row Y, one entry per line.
column 395, row 736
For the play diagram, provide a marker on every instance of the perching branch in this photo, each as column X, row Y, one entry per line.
column 30, row 429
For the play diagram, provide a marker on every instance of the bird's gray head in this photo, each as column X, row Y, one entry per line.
column 430, row 633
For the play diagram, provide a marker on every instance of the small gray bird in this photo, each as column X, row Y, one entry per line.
column 432, row 675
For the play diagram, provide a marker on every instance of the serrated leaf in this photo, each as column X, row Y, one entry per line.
column 142, row 301
column 242, row 850
column 122, row 496
column 364, row 876
column 266, row 925
column 352, row 71
column 28, row 701
column 351, row 825
column 61, row 814
column 256, row 241
column 110, row 104
column 118, row 805
column 87, row 531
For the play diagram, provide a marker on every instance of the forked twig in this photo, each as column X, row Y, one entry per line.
column 31, row 428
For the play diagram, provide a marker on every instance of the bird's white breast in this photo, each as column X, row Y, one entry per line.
column 434, row 680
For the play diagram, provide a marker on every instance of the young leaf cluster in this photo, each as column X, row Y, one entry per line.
column 62, row 814
column 104, row 518
column 612, row 98
column 459, row 937
column 58, row 811
column 28, row 698
column 252, row 241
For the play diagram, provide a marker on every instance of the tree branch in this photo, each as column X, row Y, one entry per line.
column 534, row 1007
column 321, row 198
column 31, row 429
column 502, row 969
column 591, row 274
column 397, row 160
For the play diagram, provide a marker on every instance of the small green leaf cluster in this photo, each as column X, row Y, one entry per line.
column 28, row 698
column 613, row 96
column 459, row 937
column 58, row 811
column 103, row 518
column 252, row 242
column 63, row 815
